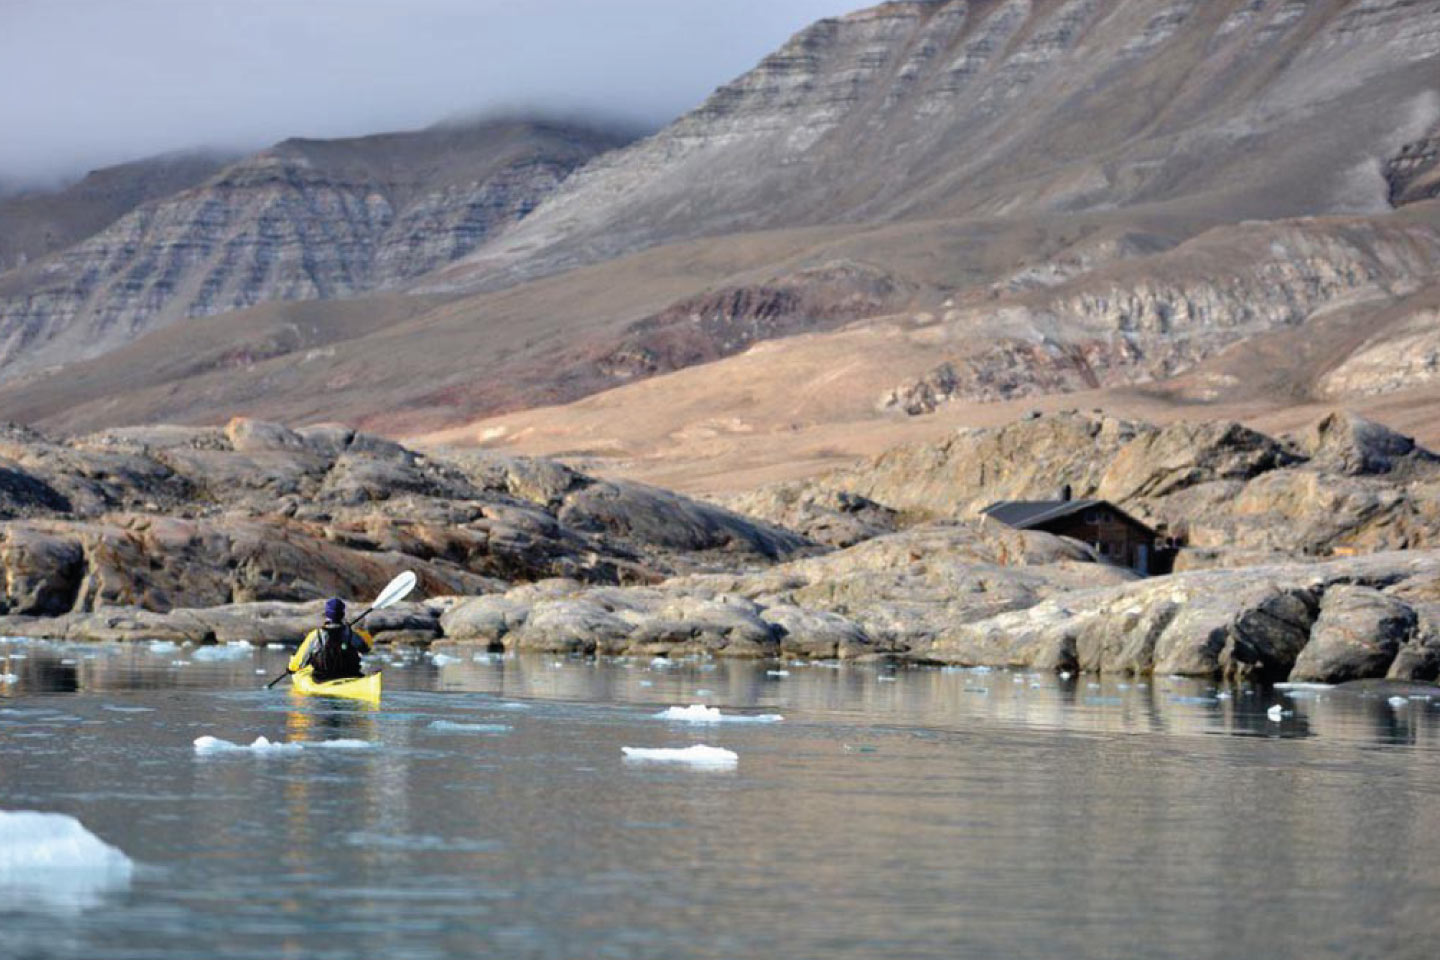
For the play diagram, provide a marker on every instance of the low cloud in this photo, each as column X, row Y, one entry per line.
column 95, row 82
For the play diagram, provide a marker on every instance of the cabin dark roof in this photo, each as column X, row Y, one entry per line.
column 1029, row 514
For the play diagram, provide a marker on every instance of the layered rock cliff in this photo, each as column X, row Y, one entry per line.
column 35, row 223
column 303, row 220
column 1150, row 318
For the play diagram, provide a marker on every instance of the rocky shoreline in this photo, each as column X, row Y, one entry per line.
column 223, row 535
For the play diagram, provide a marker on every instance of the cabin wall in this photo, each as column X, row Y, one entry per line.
column 1115, row 538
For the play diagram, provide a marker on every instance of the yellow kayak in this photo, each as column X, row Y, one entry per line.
column 355, row 688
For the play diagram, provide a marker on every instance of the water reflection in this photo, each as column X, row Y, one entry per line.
column 943, row 698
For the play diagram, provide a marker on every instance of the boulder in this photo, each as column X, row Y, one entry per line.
column 1184, row 454
column 1345, row 443
column 1356, row 637
column 724, row 626
column 1252, row 622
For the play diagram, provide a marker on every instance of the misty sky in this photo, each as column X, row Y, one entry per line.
column 85, row 83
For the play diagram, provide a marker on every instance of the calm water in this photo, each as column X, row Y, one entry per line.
column 919, row 813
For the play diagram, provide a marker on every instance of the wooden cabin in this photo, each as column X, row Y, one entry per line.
column 1113, row 534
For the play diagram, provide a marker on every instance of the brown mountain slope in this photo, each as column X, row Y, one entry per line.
column 1310, row 321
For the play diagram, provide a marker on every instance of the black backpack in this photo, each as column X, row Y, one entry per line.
column 335, row 654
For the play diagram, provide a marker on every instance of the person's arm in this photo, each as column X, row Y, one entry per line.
column 302, row 655
column 363, row 641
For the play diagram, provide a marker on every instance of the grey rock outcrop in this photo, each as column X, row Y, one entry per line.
column 160, row 518
column 1232, row 495
column 1252, row 623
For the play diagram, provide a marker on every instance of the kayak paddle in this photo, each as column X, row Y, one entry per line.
column 395, row 591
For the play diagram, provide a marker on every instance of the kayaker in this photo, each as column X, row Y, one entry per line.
column 333, row 649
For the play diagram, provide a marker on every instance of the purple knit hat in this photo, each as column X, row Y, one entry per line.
column 335, row 610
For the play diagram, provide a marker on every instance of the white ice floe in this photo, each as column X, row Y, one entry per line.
column 1398, row 702
column 51, row 860
column 696, row 756
column 1278, row 713
column 229, row 651
column 206, row 746
column 699, row 713
column 450, row 726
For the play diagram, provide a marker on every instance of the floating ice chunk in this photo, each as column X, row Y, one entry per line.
column 777, row 673
column 450, row 726
column 217, row 653
column 50, row 859
column 209, row 745
column 696, row 756
column 699, row 713
column 212, row 745
column 440, row 659
column 1277, row 713
column 1398, row 702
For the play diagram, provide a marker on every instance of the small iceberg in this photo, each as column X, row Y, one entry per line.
column 206, row 746
column 51, row 860
column 697, row 756
column 212, row 654
column 699, row 713
column 450, row 726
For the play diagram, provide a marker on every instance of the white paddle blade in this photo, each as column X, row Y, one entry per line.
column 395, row 590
